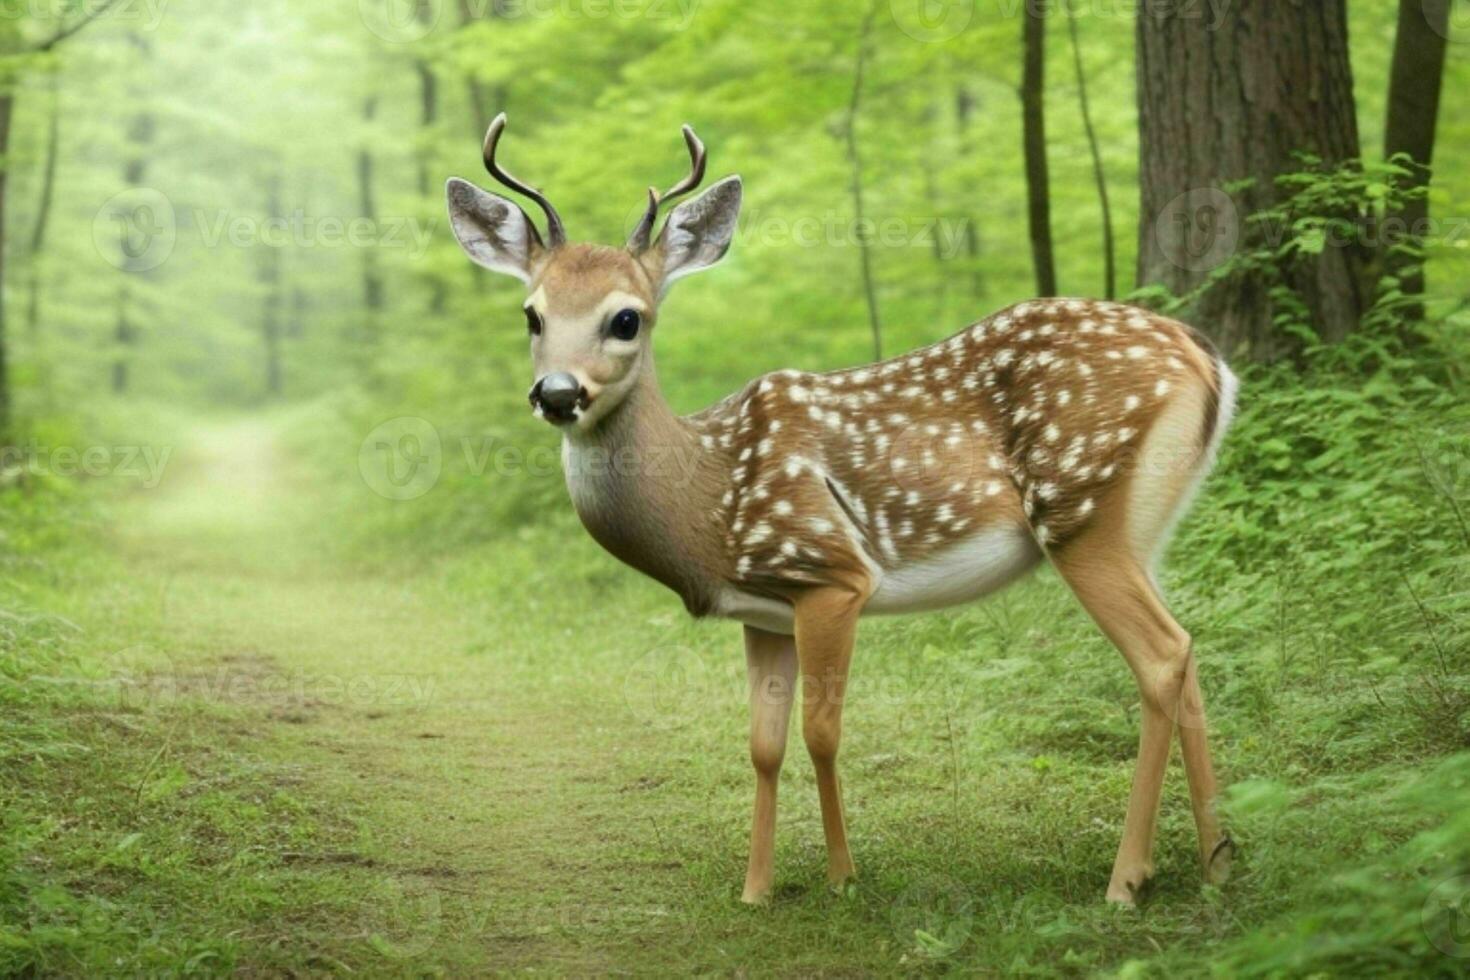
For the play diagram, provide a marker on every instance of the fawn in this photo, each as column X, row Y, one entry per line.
column 1065, row 429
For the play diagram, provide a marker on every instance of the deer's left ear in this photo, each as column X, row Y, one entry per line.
column 493, row 231
column 697, row 233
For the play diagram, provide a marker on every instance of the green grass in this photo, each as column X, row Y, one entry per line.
column 228, row 745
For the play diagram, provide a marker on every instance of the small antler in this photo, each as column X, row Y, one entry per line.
column 556, row 234
column 641, row 236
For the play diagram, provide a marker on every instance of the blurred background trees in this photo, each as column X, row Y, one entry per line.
column 228, row 206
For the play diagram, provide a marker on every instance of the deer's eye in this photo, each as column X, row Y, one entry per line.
column 624, row 324
column 533, row 321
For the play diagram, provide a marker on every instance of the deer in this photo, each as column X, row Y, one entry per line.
column 1068, row 431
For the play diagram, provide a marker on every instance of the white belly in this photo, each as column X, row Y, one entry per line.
column 975, row 567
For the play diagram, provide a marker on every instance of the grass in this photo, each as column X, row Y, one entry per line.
column 229, row 747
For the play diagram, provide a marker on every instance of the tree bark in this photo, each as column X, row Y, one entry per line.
column 1033, row 123
column 7, row 108
column 1228, row 92
column 1110, row 262
column 270, row 275
column 964, row 104
column 1414, row 87
column 854, row 156
column 43, row 207
column 372, row 282
column 135, row 170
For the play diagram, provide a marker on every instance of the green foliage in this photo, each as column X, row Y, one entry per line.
column 203, row 771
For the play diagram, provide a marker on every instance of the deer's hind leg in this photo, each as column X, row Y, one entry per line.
column 1108, row 566
column 1120, row 597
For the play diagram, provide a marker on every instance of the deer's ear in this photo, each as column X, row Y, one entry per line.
column 697, row 233
column 494, row 232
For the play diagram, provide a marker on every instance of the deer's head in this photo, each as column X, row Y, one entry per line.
column 591, row 309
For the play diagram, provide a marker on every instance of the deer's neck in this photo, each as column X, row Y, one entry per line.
column 649, row 493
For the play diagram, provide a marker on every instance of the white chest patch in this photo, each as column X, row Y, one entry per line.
column 977, row 566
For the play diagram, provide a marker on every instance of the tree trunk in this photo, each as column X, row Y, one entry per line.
column 7, row 107
column 473, row 87
column 1413, row 109
column 1033, row 123
column 43, row 207
column 854, row 156
column 372, row 283
column 428, row 119
column 1228, row 92
column 964, row 105
column 135, row 170
column 1110, row 262
column 270, row 275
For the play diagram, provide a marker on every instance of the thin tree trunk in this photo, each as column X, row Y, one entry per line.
column 1227, row 96
column 1414, row 87
column 1033, row 122
column 372, row 283
column 854, row 156
column 271, row 279
column 1110, row 264
column 475, row 90
column 428, row 119
column 7, row 108
column 43, row 208
column 135, row 170
column 964, row 107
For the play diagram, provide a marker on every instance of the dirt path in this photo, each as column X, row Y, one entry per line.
column 490, row 831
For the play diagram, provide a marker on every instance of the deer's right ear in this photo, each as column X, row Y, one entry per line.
column 697, row 233
column 494, row 232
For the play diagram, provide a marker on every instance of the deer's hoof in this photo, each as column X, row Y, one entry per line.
column 1217, row 868
column 1131, row 890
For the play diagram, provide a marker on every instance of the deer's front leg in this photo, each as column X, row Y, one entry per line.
column 826, row 626
column 771, row 661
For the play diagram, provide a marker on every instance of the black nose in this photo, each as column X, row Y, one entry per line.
column 557, row 395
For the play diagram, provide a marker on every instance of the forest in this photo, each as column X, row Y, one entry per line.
column 308, row 667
